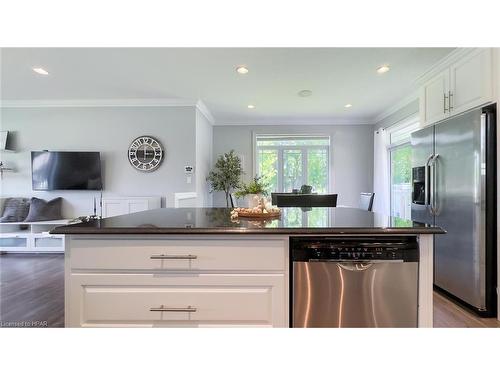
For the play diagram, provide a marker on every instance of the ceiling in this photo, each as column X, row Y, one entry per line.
column 336, row 76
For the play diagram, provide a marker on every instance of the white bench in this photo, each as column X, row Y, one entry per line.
column 28, row 237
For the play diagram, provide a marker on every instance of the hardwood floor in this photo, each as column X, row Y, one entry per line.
column 448, row 314
column 32, row 294
column 32, row 290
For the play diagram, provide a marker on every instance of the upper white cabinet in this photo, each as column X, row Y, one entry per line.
column 464, row 85
column 434, row 97
column 471, row 82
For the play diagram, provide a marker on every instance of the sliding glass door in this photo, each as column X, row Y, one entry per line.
column 400, row 159
column 288, row 162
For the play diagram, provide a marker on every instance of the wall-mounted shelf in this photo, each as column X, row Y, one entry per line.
column 5, row 142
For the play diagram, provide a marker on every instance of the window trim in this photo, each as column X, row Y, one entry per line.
column 328, row 147
column 411, row 123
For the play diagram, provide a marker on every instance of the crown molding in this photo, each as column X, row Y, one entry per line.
column 298, row 122
column 98, row 103
column 200, row 105
column 396, row 107
column 444, row 63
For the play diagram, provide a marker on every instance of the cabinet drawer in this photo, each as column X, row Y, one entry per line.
column 146, row 300
column 183, row 255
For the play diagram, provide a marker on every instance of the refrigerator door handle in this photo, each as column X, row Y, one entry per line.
column 480, row 202
column 426, row 183
column 433, row 194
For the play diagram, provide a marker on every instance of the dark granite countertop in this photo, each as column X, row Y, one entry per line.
column 338, row 220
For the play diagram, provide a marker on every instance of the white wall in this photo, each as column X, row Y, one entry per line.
column 110, row 131
column 351, row 170
column 204, row 137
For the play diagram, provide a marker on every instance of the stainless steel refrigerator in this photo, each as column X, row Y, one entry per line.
column 454, row 187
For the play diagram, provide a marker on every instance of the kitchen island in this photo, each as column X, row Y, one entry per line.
column 195, row 267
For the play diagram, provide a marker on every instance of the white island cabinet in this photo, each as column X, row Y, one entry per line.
column 137, row 281
column 192, row 280
column 198, row 267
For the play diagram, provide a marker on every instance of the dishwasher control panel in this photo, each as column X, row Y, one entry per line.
column 311, row 249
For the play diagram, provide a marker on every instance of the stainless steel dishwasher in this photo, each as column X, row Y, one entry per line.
column 354, row 281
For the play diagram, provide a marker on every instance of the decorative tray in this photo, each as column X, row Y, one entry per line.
column 258, row 213
column 267, row 215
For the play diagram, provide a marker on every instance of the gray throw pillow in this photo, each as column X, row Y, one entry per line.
column 14, row 210
column 41, row 210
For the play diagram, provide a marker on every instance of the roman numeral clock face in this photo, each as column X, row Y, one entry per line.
column 145, row 153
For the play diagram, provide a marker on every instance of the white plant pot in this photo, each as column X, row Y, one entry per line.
column 253, row 200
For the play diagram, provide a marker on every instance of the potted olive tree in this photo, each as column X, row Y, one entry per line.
column 254, row 192
column 226, row 174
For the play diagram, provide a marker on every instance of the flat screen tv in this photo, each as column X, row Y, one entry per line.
column 66, row 170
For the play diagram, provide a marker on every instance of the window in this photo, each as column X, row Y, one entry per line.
column 400, row 167
column 400, row 158
column 288, row 162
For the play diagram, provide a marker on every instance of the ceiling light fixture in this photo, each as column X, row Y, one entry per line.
column 383, row 69
column 41, row 71
column 305, row 93
column 242, row 69
column 348, row 106
column 250, row 106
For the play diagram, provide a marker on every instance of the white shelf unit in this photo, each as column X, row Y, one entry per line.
column 31, row 237
column 115, row 206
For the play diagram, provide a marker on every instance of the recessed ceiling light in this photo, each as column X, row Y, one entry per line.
column 242, row 69
column 383, row 69
column 305, row 93
column 250, row 106
column 348, row 106
column 41, row 71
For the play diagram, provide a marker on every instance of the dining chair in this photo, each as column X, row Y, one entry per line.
column 306, row 200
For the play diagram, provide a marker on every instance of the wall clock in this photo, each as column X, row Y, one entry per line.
column 145, row 153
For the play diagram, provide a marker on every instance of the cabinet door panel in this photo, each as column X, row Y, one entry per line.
column 471, row 83
column 127, row 300
column 433, row 98
column 112, row 208
column 137, row 205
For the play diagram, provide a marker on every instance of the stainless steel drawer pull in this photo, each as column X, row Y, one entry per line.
column 173, row 309
column 182, row 257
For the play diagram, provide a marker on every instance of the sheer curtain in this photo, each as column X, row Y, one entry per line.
column 381, row 202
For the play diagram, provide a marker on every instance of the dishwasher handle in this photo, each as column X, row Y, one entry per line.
column 371, row 261
column 355, row 266
column 363, row 266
